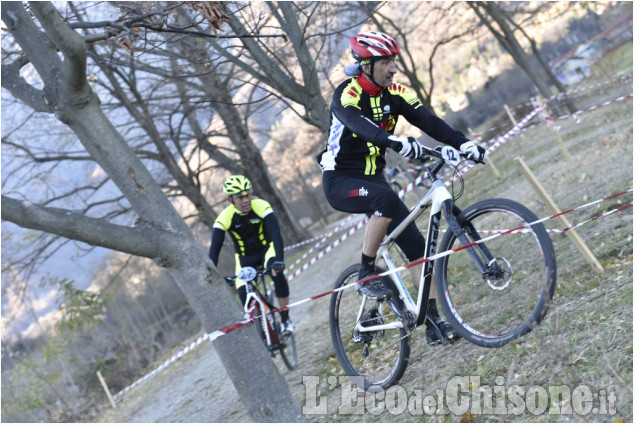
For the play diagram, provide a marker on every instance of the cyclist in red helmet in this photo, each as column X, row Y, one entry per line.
column 364, row 113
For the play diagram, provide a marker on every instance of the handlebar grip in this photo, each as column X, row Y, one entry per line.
column 436, row 153
column 465, row 155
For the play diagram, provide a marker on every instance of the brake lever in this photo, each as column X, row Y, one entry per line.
column 464, row 156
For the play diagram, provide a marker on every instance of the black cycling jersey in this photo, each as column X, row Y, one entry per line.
column 361, row 125
column 257, row 241
column 251, row 232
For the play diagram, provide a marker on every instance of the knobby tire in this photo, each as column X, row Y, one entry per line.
column 493, row 312
column 287, row 349
column 388, row 350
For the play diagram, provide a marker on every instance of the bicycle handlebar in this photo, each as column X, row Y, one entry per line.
column 258, row 272
column 436, row 152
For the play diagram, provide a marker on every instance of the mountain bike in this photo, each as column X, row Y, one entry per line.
column 495, row 286
column 259, row 306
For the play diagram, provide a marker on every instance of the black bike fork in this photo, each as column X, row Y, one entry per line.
column 451, row 211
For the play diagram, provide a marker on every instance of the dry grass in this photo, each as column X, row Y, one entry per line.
column 586, row 338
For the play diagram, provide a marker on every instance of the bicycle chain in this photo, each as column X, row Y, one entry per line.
column 407, row 335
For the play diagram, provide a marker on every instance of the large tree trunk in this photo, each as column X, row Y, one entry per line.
column 160, row 233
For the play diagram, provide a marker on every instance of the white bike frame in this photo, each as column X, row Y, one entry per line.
column 253, row 295
column 434, row 198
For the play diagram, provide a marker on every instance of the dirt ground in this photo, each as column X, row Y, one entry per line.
column 586, row 340
column 196, row 387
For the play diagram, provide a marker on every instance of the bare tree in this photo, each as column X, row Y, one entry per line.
column 531, row 14
column 250, row 159
column 275, row 68
column 160, row 233
column 295, row 161
column 435, row 15
column 506, row 37
column 173, row 94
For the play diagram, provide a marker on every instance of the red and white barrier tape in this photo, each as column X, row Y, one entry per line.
column 230, row 328
column 309, row 252
column 540, row 107
column 501, row 140
column 614, row 82
column 165, row 364
column 494, row 146
column 341, row 239
column 324, row 235
column 227, row 329
column 591, row 108
column 452, row 251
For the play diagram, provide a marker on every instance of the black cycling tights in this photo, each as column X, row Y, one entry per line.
column 359, row 194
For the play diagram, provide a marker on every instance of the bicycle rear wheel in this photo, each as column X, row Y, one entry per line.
column 375, row 359
column 513, row 296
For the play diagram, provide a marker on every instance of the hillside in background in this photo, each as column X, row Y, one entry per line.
column 147, row 316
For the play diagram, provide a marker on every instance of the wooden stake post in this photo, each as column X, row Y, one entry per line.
column 584, row 249
column 512, row 119
column 103, row 384
column 496, row 172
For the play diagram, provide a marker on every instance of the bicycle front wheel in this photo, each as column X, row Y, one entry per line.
column 493, row 308
column 373, row 359
column 287, row 350
column 258, row 322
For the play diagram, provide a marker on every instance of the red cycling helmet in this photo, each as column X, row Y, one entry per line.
column 372, row 45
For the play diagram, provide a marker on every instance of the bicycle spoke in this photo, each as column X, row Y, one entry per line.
column 368, row 357
column 288, row 351
column 510, row 299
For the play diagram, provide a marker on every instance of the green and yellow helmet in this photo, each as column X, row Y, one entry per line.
column 237, row 184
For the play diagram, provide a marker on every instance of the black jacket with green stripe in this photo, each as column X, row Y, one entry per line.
column 361, row 124
column 251, row 232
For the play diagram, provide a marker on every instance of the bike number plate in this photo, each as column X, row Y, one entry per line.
column 246, row 273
